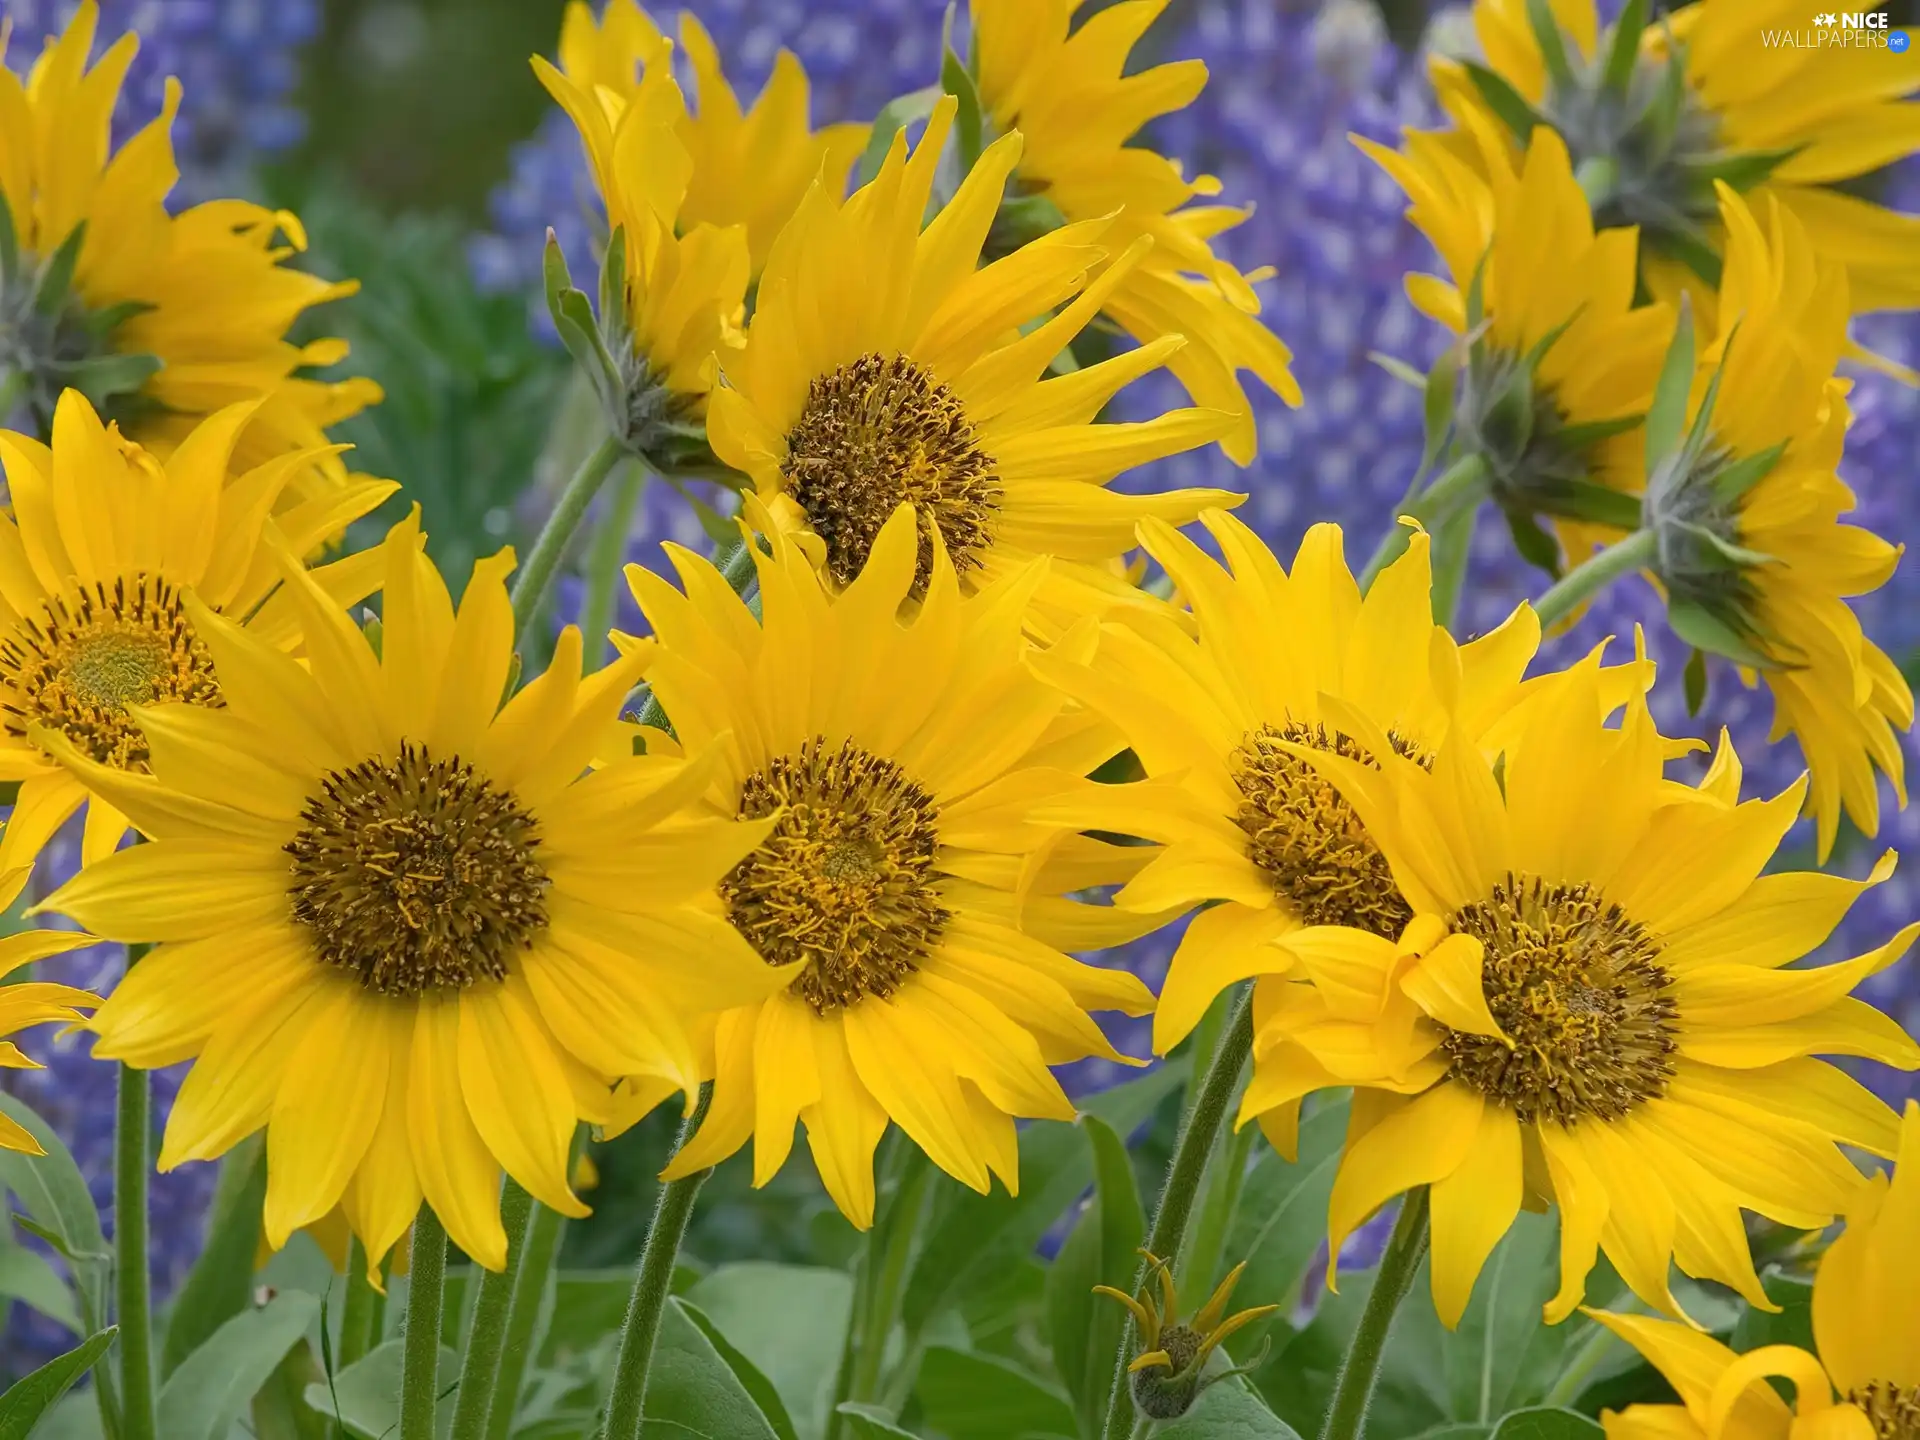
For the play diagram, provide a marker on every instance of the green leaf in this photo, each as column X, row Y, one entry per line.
column 369, row 1392
column 55, row 1197
column 1229, row 1410
column 1792, row 1326
column 894, row 116
column 23, row 1405
column 1667, row 416
column 790, row 1321
column 969, row 126
column 221, row 1281
column 870, row 1422
column 1534, row 542
column 692, row 1393
column 1624, row 53
column 211, row 1387
column 969, row 1396
column 1695, row 677
column 748, row 1374
column 1553, row 46
column 970, row 1239
column 1084, row 1328
column 56, row 276
column 27, row 1276
column 1282, row 1219
column 1506, row 103
column 1543, row 1424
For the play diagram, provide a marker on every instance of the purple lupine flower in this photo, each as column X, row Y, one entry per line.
column 236, row 60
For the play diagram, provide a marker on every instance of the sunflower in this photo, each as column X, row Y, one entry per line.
column 1861, row 1382
column 1071, row 98
column 1563, row 363
column 883, row 367
column 1758, row 476
column 103, row 544
column 414, row 939
column 1590, row 1007
column 748, row 169
column 1210, row 708
column 906, row 890
column 1792, row 122
column 685, row 282
column 32, row 1002
column 170, row 318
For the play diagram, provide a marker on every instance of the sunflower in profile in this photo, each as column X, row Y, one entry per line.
column 906, row 890
column 1756, row 481
column 1655, row 116
column 105, row 541
column 1861, row 1381
column 1591, row 1006
column 1067, row 90
column 32, row 1002
column 414, row 939
column 161, row 319
column 883, row 366
column 1561, row 363
column 748, row 169
column 1271, row 659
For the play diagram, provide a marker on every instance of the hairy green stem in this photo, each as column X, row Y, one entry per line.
column 1353, row 1391
column 606, row 561
column 671, row 1212
column 132, row 1162
column 1452, row 551
column 531, row 584
column 480, row 1370
column 1595, row 574
column 420, row 1356
column 1462, row 485
column 1175, row 1207
column 544, row 1228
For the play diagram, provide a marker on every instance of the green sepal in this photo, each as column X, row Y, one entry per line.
column 1442, row 383
column 1701, row 628
column 1507, row 422
column 1398, row 369
column 1688, row 244
column 1476, row 298
column 9, row 242
column 1507, row 103
column 101, row 377
column 1667, row 416
column 1741, row 169
column 1596, row 504
column 1625, row 50
column 55, row 282
column 894, row 116
column 1553, row 46
column 1589, row 434
column 1663, row 115
column 1547, row 341
column 969, row 120
column 574, row 320
column 1721, row 553
column 1733, row 481
column 1536, row 545
column 375, row 633
column 103, row 322
column 1026, row 218
column 1695, row 677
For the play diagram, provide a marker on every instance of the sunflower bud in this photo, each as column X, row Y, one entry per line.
column 1167, row 1375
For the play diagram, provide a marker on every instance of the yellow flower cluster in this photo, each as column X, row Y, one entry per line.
column 419, row 916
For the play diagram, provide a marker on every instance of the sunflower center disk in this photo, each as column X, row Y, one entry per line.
column 877, row 433
column 79, row 663
column 1578, row 988
column 1893, row 1410
column 846, row 881
column 417, row 874
column 1308, row 839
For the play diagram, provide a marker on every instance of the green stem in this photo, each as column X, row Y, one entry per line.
column 1354, row 1390
column 420, row 1357
column 1594, row 574
column 1170, row 1218
column 605, row 561
column 530, row 585
column 671, row 1211
column 480, row 1371
column 133, row 1140
column 736, row 568
column 1208, row 1239
column 357, row 1335
column 1452, row 551
column 1462, row 484
column 544, row 1228
column 880, row 1278
column 1585, row 1360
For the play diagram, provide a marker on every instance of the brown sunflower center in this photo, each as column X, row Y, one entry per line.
column 846, row 881
column 417, row 874
column 1579, row 989
column 879, row 432
column 1892, row 1410
column 1302, row 832
column 83, row 659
